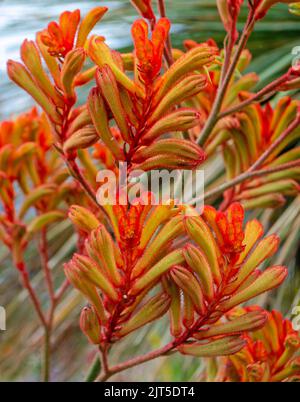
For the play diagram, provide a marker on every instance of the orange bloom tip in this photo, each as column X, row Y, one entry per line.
column 88, row 23
column 263, row 6
column 149, row 52
column 144, row 7
column 59, row 37
column 229, row 11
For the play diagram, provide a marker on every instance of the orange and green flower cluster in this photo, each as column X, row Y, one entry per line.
column 148, row 107
column 215, row 271
column 220, row 271
column 271, row 354
column 32, row 177
column 254, row 131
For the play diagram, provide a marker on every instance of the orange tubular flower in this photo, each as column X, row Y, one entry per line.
column 62, row 49
column 148, row 107
column 130, row 224
column 149, row 51
column 270, row 354
column 60, row 37
column 33, row 174
column 229, row 226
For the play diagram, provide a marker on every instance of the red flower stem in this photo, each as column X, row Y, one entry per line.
column 228, row 51
column 76, row 173
column 78, row 176
column 135, row 362
column 268, row 89
column 71, row 163
column 275, row 144
column 54, row 301
column 45, row 265
column 104, row 361
column 246, row 176
column 37, row 306
column 168, row 49
column 61, row 291
column 35, row 301
column 228, row 48
column 108, row 372
column 213, row 117
column 46, row 321
column 49, row 324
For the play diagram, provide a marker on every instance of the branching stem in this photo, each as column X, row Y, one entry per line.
column 246, row 176
column 213, row 117
column 267, row 90
column 275, row 144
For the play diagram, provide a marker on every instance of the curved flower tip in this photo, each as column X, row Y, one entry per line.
column 88, row 23
column 149, row 51
column 228, row 226
column 59, row 37
column 229, row 11
column 262, row 6
column 145, row 8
